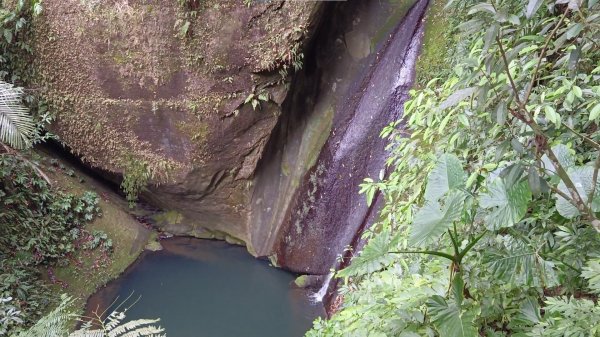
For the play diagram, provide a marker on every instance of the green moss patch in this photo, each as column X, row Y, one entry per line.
column 87, row 270
column 436, row 43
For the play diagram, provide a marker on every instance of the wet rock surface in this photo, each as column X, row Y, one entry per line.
column 307, row 190
column 171, row 85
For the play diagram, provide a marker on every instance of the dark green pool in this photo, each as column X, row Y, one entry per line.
column 210, row 288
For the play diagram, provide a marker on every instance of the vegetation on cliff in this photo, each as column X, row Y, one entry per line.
column 490, row 226
column 42, row 226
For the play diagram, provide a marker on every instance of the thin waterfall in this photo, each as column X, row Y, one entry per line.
column 319, row 295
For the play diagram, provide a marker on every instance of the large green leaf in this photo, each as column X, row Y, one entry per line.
column 532, row 7
column 507, row 204
column 450, row 319
column 530, row 310
column 518, row 263
column 373, row 257
column 582, row 178
column 433, row 219
column 564, row 156
column 447, row 174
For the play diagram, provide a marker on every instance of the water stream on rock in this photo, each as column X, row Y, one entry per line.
column 210, row 288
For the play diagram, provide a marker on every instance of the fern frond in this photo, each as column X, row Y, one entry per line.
column 147, row 331
column 139, row 325
column 114, row 319
column 87, row 333
column 592, row 273
column 16, row 125
column 113, row 327
column 55, row 324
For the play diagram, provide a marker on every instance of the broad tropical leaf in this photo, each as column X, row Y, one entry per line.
column 433, row 219
column 508, row 204
column 450, row 319
column 582, row 178
column 530, row 310
column 518, row 263
column 532, row 7
column 373, row 257
column 564, row 156
column 447, row 174
column 16, row 125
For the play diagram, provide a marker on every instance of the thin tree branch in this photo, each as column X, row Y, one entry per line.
column 542, row 55
column 507, row 68
column 33, row 166
column 553, row 188
column 582, row 136
column 528, row 119
column 594, row 181
column 564, row 176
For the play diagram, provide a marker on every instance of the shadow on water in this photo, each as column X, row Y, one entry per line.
column 210, row 288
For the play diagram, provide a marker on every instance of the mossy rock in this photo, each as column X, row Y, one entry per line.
column 126, row 87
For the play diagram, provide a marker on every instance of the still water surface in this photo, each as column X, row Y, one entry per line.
column 210, row 288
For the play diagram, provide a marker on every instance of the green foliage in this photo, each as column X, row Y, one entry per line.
column 386, row 304
column 374, row 257
column 433, row 220
column 138, row 173
column 568, row 316
column 36, row 219
column 54, row 324
column 15, row 52
column 255, row 98
column 592, row 273
column 17, row 128
column 446, row 175
column 292, row 60
column 494, row 187
column 16, row 125
column 114, row 326
column 98, row 239
column 57, row 324
column 507, row 204
column 38, row 226
column 135, row 178
column 9, row 315
column 451, row 317
column 21, row 281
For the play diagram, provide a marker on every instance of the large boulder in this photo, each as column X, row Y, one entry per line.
column 160, row 87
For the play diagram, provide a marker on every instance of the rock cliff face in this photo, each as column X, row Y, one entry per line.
column 356, row 79
column 162, row 85
column 198, row 95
